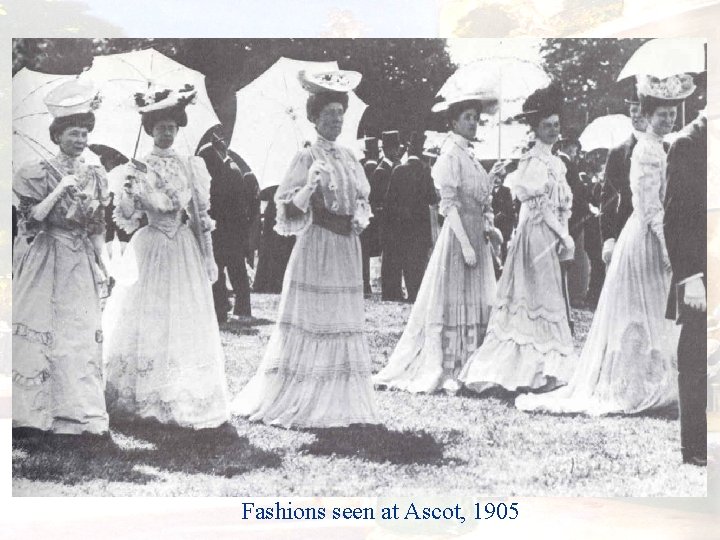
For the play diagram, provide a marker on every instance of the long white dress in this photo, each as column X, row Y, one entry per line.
column 315, row 372
column 450, row 315
column 629, row 361
column 162, row 349
column 528, row 343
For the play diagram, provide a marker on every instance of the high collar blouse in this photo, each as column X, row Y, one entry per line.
column 461, row 178
column 540, row 179
column 343, row 186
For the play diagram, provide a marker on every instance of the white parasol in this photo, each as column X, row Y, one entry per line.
column 271, row 123
column 665, row 57
column 511, row 79
column 606, row 132
column 120, row 76
column 31, row 119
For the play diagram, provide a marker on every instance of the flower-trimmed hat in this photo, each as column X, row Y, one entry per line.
column 673, row 88
column 163, row 104
column 486, row 102
column 72, row 97
column 329, row 81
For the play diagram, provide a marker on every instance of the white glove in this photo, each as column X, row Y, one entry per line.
column 315, row 173
column 469, row 255
column 68, row 182
column 694, row 296
column 212, row 270
column 607, row 250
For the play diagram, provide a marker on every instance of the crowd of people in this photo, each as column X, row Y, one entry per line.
column 491, row 292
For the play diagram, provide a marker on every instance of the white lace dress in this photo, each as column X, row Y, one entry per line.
column 450, row 316
column 528, row 343
column 162, row 349
column 629, row 361
column 316, row 369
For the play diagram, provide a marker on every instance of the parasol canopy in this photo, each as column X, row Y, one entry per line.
column 664, row 57
column 271, row 125
column 606, row 132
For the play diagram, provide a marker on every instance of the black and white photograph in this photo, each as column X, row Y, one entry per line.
column 343, row 267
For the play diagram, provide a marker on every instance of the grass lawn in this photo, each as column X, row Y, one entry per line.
column 430, row 443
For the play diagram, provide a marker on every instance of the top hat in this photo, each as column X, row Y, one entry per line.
column 390, row 139
column 371, row 145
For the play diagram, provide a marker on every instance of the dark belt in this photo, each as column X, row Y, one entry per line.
column 339, row 224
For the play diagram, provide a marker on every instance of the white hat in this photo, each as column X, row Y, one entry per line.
column 155, row 100
column 329, row 81
column 488, row 101
column 72, row 97
column 675, row 87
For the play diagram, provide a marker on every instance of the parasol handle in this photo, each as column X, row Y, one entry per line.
column 137, row 141
column 26, row 138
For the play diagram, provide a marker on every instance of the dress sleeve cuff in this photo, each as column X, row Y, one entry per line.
column 690, row 278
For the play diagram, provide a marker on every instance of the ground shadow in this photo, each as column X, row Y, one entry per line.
column 76, row 459
column 377, row 443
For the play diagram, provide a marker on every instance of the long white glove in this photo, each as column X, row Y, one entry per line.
column 607, row 250
column 302, row 198
column 43, row 208
column 695, row 294
column 457, row 227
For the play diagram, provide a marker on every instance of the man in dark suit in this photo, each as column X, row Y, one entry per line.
column 234, row 205
column 410, row 194
column 593, row 241
column 370, row 237
column 504, row 210
column 686, row 239
column 616, row 198
column 575, row 270
column 390, row 272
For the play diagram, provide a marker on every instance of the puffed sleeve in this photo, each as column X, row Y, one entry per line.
column 31, row 186
column 362, row 215
column 446, row 174
column 201, row 185
column 127, row 213
column 647, row 170
column 101, row 192
column 530, row 180
column 294, row 180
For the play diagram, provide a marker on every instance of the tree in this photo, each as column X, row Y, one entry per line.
column 400, row 76
column 588, row 69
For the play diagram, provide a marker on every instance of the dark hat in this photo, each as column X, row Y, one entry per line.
column 634, row 100
column 391, row 139
column 542, row 103
column 372, row 145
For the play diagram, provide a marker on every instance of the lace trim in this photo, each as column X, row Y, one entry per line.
column 320, row 289
column 324, row 332
column 37, row 380
column 44, row 338
column 514, row 306
column 345, row 371
column 523, row 340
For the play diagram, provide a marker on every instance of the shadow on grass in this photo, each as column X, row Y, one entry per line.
column 244, row 328
column 376, row 443
column 76, row 459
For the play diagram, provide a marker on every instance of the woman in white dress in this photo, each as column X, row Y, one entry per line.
column 629, row 362
column 315, row 372
column 528, row 343
column 450, row 315
column 58, row 284
column 163, row 353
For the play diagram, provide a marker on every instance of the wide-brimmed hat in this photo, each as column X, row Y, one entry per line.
column 166, row 98
column 485, row 102
column 72, row 97
column 673, row 88
column 329, row 81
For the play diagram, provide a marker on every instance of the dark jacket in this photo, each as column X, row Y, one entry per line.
column 504, row 210
column 686, row 211
column 410, row 194
column 580, row 209
column 616, row 199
